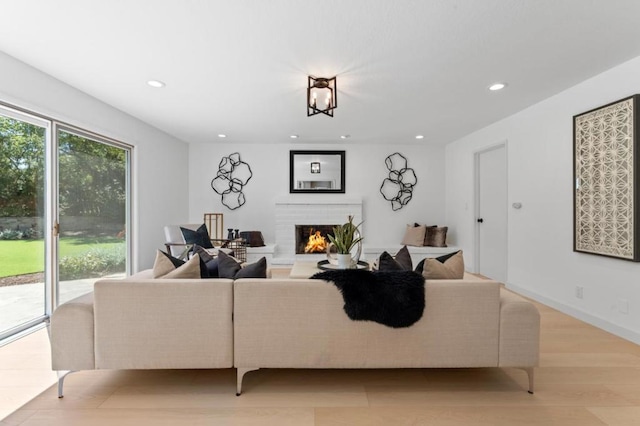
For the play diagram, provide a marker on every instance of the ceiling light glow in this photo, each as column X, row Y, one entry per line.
column 294, row 136
column 156, row 83
column 345, row 136
column 497, row 86
column 419, row 136
column 222, row 135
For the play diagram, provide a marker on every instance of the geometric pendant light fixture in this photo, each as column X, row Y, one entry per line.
column 322, row 96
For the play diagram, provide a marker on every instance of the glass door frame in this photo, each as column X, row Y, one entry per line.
column 27, row 117
column 55, row 213
column 51, row 206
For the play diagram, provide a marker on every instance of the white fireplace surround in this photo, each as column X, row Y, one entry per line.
column 316, row 210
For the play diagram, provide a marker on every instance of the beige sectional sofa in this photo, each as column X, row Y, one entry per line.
column 249, row 324
column 144, row 323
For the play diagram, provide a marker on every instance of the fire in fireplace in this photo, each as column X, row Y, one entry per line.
column 312, row 239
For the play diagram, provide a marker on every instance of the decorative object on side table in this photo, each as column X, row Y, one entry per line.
column 231, row 178
column 345, row 238
column 606, row 218
column 398, row 187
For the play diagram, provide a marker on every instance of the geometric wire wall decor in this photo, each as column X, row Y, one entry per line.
column 231, row 178
column 606, row 214
column 398, row 186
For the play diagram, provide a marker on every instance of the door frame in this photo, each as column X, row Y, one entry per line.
column 476, row 200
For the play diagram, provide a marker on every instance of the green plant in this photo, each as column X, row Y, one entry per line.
column 11, row 234
column 344, row 236
column 93, row 263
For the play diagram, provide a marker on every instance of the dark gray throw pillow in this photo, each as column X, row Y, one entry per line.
column 212, row 267
column 401, row 262
column 386, row 263
column 403, row 257
column 204, row 255
column 254, row 270
column 228, row 267
column 200, row 236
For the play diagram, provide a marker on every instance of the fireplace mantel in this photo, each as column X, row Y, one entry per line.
column 318, row 199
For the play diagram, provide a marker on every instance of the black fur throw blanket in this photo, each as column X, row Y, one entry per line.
column 395, row 299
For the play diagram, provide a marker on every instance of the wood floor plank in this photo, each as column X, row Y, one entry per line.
column 620, row 416
column 558, row 395
column 453, row 416
column 166, row 417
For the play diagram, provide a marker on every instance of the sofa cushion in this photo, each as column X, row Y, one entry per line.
column 436, row 236
column 401, row 261
column 442, row 259
column 204, row 254
column 253, row 270
column 414, row 236
column 200, row 236
column 449, row 266
column 190, row 269
column 166, row 266
column 165, row 263
column 229, row 267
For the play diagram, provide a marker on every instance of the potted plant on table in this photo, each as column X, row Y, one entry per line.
column 344, row 239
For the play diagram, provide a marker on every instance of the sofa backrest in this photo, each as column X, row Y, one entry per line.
column 179, row 323
column 301, row 323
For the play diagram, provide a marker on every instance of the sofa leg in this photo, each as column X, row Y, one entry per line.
column 240, row 374
column 529, row 371
column 61, row 376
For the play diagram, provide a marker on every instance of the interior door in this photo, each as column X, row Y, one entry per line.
column 491, row 213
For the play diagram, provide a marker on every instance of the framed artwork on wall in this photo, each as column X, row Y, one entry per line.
column 605, row 163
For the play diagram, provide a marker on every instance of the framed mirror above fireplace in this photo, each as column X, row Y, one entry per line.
column 314, row 172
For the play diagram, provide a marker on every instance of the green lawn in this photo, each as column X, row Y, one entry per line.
column 27, row 256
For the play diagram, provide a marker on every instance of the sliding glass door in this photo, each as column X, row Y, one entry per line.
column 92, row 209
column 64, row 215
column 23, row 293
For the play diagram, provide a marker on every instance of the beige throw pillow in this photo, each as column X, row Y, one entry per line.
column 414, row 236
column 451, row 269
column 162, row 265
column 164, row 268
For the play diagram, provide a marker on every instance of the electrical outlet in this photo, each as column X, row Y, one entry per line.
column 623, row 306
column 579, row 292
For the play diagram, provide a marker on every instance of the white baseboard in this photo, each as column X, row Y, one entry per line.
column 581, row 315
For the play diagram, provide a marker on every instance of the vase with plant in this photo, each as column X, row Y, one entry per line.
column 344, row 239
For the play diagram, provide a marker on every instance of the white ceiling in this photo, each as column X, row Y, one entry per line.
column 239, row 67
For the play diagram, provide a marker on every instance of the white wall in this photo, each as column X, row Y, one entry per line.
column 160, row 160
column 540, row 162
column 364, row 175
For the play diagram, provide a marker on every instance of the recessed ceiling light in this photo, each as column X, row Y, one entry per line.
column 222, row 135
column 345, row 136
column 419, row 136
column 497, row 86
column 156, row 83
column 294, row 136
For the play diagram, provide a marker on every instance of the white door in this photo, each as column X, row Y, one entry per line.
column 491, row 213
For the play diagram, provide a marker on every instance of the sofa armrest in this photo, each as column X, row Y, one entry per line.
column 72, row 336
column 519, row 331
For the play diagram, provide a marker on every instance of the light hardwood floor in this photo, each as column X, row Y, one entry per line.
column 586, row 377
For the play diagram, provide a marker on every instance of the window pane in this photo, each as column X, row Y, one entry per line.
column 22, row 207
column 92, row 213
